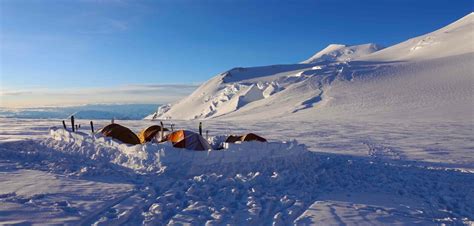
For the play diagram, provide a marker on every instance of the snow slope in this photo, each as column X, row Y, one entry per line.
column 455, row 39
column 429, row 77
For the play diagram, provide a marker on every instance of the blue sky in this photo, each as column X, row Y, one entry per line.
column 98, row 50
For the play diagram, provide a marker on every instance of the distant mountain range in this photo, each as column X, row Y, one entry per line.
column 92, row 111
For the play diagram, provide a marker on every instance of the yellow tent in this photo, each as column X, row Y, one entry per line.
column 147, row 134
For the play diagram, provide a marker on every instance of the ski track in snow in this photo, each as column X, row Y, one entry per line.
column 379, row 161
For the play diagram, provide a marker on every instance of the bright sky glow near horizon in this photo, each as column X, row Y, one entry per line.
column 56, row 52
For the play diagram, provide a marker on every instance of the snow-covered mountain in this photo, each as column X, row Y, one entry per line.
column 338, row 52
column 424, row 78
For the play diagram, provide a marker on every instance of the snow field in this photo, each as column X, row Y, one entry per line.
column 158, row 189
column 271, row 191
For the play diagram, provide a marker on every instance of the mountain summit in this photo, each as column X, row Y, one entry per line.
column 338, row 52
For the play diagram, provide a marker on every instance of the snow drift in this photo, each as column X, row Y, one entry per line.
column 160, row 157
column 429, row 77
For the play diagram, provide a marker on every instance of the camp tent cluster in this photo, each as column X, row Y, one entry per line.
column 180, row 138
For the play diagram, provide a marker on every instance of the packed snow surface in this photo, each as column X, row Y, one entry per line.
column 355, row 172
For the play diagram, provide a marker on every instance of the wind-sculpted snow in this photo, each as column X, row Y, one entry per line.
column 247, row 184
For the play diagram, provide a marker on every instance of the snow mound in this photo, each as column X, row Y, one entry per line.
column 158, row 158
column 338, row 52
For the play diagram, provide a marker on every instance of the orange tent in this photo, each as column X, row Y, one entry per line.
column 246, row 137
column 120, row 133
column 188, row 140
column 147, row 134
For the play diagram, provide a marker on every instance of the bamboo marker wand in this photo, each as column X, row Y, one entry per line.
column 161, row 131
column 72, row 123
column 200, row 128
column 92, row 127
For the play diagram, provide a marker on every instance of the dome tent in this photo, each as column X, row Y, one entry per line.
column 233, row 139
column 246, row 137
column 188, row 140
column 253, row 137
column 147, row 134
column 120, row 133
